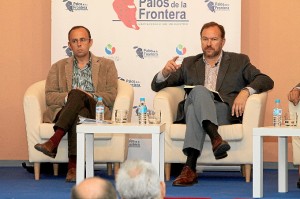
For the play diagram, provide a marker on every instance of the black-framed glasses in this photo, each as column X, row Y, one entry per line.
column 81, row 40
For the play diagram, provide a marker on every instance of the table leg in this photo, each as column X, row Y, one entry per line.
column 257, row 167
column 162, row 156
column 89, row 155
column 80, row 157
column 282, row 165
column 155, row 152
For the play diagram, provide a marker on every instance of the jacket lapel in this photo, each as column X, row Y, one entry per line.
column 96, row 64
column 200, row 68
column 69, row 72
column 222, row 70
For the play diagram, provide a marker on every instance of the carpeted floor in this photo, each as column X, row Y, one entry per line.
column 187, row 198
column 17, row 183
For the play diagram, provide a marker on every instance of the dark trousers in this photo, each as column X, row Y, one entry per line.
column 79, row 103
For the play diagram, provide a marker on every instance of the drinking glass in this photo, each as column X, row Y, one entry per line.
column 121, row 116
column 290, row 119
column 154, row 116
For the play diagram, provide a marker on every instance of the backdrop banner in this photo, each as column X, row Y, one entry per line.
column 141, row 36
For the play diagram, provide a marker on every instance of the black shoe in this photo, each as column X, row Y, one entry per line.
column 298, row 184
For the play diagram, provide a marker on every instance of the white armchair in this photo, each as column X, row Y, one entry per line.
column 296, row 139
column 239, row 136
column 109, row 148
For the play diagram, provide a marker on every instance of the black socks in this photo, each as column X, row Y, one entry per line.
column 192, row 156
column 211, row 129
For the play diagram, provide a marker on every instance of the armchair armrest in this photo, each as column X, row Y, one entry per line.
column 293, row 108
column 34, row 104
column 167, row 101
column 254, row 112
column 124, row 99
column 296, row 139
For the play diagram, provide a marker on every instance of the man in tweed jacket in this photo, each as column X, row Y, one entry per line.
column 72, row 88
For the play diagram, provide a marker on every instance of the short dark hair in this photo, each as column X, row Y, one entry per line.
column 211, row 24
column 77, row 27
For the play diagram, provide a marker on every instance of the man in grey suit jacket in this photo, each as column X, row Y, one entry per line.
column 72, row 87
column 230, row 74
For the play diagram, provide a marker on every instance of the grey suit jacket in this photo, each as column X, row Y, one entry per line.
column 59, row 83
column 235, row 73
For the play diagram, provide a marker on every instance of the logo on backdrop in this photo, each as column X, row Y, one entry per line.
column 151, row 12
column 133, row 83
column 110, row 50
column 145, row 53
column 126, row 11
column 75, row 6
column 180, row 50
column 134, row 143
column 217, row 6
column 68, row 51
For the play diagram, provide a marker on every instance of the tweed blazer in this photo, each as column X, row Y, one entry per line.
column 59, row 83
column 235, row 73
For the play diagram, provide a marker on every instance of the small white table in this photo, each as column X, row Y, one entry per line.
column 85, row 144
column 282, row 133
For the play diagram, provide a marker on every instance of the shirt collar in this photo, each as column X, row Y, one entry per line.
column 75, row 62
column 218, row 60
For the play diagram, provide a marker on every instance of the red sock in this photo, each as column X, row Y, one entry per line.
column 58, row 135
column 72, row 162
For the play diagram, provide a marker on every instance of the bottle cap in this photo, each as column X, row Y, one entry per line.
column 99, row 98
column 277, row 101
column 142, row 99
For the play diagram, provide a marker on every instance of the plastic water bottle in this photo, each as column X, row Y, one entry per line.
column 277, row 113
column 99, row 110
column 142, row 111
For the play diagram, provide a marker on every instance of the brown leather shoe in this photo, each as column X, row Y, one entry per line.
column 71, row 175
column 47, row 148
column 187, row 177
column 220, row 147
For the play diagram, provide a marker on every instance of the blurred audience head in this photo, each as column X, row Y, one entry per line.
column 94, row 188
column 138, row 179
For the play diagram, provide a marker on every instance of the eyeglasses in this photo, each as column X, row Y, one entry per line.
column 81, row 40
column 213, row 39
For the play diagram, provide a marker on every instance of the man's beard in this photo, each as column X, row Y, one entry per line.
column 213, row 55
